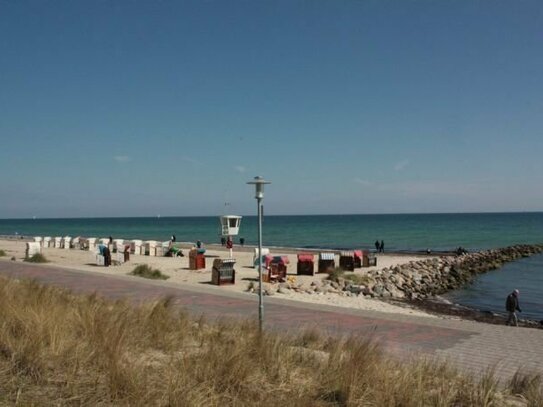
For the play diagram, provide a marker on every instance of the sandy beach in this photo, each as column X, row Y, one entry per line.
column 177, row 268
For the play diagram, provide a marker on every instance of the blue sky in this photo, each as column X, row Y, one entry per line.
column 133, row 108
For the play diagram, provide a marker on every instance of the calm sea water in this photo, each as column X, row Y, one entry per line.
column 438, row 232
column 489, row 291
column 400, row 232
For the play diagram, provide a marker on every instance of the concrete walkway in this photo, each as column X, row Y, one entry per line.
column 471, row 346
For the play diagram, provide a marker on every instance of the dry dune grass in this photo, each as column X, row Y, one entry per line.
column 60, row 349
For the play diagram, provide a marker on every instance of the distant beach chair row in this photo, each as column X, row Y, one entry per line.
column 348, row 260
column 135, row 246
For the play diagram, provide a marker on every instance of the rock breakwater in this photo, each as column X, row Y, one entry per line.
column 426, row 278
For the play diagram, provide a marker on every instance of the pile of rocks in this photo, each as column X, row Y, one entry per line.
column 341, row 287
column 414, row 280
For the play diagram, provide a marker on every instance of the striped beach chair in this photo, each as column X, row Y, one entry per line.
column 327, row 261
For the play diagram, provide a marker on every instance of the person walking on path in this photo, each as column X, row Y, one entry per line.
column 382, row 247
column 512, row 306
column 377, row 245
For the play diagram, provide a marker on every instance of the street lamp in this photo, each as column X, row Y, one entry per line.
column 259, row 183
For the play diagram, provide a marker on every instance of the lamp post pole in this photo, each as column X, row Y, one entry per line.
column 260, row 294
column 259, row 183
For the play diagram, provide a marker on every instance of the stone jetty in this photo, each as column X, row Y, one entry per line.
column 415, row 280
column 426, row 278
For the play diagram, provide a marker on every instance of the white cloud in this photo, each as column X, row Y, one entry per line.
column 190, row 160
column 121, row 158
column 400, row 165
column 363, row 182
column 240, row 168
column 430, row 188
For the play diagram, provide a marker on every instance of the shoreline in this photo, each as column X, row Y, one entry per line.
column 287, row 249
column 442, row 307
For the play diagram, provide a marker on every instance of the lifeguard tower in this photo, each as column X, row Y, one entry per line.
column 229, row 227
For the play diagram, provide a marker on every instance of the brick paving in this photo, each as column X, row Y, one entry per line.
column 472, row 346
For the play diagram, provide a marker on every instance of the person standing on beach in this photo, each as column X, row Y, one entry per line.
column 104, row 251
column 382, row 247
column 377, row 245
column 512, row 306
column 229, row 245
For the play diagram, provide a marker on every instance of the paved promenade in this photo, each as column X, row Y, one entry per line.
column 471, row 346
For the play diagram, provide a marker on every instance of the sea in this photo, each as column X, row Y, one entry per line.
column 407, row 233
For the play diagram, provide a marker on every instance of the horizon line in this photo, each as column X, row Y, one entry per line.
column 276, row 215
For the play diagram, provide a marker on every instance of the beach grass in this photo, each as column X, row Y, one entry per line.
column 338, row 273
column 37, row 258
column 57, row 348
column 357, row 279
column 145, row 271
column 528, row 386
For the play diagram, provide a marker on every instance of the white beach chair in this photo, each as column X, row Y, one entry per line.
column 100, row 260
column 66, row 241
column 32, row 248
column 118, row 245
column 117, row 259
column 162, row 248
column 39, row 240
column 90, row 243
column 58, row 242
column 265, row 251
column 136, row 246
column 47, row 242
column 76, row 243
column 150, row 247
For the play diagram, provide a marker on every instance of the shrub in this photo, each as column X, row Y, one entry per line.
column 336, row 274
column 354, row 278
column 145, row 271
column 357, row 279
column 37, row 258
column 2, row 253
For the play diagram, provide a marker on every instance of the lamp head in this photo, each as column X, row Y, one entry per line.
column 259, row 183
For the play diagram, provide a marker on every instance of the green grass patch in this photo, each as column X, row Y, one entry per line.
column 145, row 271
column 37, row 258
column 2, row 253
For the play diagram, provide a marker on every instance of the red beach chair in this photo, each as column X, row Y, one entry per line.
column 305, row 264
